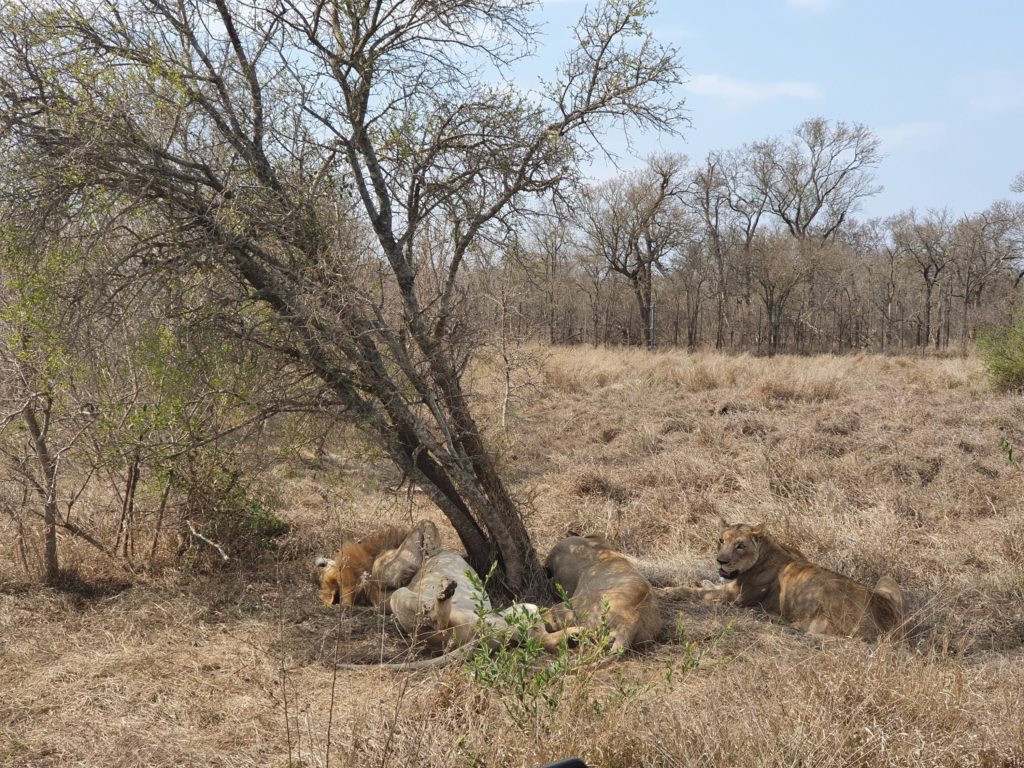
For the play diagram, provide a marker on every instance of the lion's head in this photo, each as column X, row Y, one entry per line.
column 331, row 583
column 739, row 547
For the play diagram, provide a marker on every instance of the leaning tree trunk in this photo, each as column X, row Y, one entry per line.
column 442, row 452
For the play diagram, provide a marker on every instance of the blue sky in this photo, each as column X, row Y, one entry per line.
column 941, row 83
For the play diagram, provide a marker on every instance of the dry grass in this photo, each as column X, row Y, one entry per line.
column 873, row 465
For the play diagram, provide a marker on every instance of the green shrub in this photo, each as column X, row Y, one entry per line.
column 1002, row 351
column 228, row 508
column 1010, row 450
column 529, row 681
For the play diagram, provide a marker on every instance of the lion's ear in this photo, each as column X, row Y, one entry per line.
column 757, row 530
column 330, row 595
column 330, row 588
column 722, row 525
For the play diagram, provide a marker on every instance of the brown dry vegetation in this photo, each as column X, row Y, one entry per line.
column 871, row 465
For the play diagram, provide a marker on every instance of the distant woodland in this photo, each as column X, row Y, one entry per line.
column 758, row 249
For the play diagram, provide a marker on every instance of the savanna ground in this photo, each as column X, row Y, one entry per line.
column 871, row 465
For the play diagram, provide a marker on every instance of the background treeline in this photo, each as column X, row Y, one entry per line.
column 757, row 250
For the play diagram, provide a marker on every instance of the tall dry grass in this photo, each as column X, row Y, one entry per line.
column 872, row 465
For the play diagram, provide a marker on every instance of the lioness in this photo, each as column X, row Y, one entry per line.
column 781, row 580
column 602, row 584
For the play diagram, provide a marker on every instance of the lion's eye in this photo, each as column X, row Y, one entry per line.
column 720, row 542
column 741, row 545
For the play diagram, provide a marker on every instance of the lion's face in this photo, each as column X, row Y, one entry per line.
column 328, row 581
column 738, row 549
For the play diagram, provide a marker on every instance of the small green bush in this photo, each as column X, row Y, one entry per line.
column 529, row 681
column 1002, row 351
column 228, row 508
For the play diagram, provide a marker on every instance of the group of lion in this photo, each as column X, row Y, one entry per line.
column 433, row 593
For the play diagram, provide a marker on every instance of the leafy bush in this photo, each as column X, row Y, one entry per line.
column 1002, row 350
column 530, row 681
column 532, row 684
column 228, row 509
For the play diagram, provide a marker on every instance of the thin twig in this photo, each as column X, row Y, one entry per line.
column 334, row 682
column 213, row 544
column 284, row 669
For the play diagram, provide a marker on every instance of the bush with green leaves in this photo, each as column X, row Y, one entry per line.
column 532, row 683
column 1002, row 351
column 529, row 680
column 225, row 507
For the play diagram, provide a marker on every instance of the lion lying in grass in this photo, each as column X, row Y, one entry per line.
column 781, row 580
column 345, row 579
column 602, row 586
column 443, row 601
column 429, row 590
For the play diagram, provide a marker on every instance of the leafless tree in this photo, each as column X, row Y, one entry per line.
column 708, row 197
column 982, row 245
column 811, row 184
column 884, row 257
column 814, row 181
column 928, row 240
column 633, row 222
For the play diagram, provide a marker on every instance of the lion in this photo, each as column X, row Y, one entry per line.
column 344, row 580
column 779, row 579
column 602, row 586
column 433, row 593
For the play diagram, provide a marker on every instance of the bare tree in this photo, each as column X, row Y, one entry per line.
column 982, row 245
column 547, row 253
column 263, row 135
column 633, row 223
column 708, row 196
column 928, row 241
column 813, row 182
column 691, row 271
column 884, row 257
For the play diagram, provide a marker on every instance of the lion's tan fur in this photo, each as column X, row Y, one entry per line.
column 426, row 588
column 602, row 586
column 784, row 582
column 345, row 580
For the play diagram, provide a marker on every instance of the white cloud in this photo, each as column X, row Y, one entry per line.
column 745, row 93
column 901, row 135
column 818, row 6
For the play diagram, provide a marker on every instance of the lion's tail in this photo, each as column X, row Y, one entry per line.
column 890, row 590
